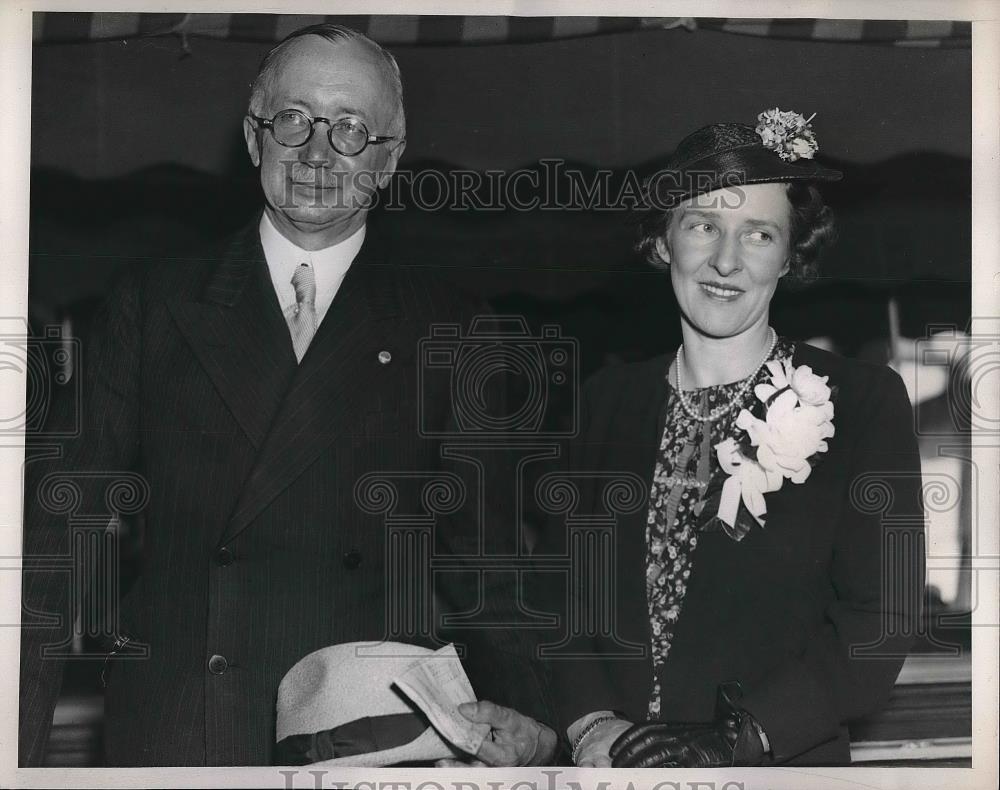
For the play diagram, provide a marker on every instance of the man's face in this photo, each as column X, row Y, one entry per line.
column 314, row 195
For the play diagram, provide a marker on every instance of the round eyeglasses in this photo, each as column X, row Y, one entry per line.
column 348, row 136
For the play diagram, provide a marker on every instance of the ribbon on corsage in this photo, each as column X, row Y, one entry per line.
column 786, row 443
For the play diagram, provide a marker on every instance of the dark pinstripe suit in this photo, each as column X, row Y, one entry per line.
column 190, row 379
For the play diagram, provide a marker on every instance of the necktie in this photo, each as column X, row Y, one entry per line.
column 302, row 322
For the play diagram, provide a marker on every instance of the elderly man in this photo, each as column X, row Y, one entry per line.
column 253, row 387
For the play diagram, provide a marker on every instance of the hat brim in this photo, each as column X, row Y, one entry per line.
column 427, row 747
column 735, row 167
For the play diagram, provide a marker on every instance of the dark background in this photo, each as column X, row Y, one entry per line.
column 137, row 150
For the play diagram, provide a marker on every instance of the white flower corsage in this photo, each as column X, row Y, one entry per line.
column 786, row 443
column 787, row 133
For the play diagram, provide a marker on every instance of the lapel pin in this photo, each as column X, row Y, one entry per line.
column 384, row 357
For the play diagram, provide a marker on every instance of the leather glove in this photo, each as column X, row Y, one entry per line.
column 731, row 740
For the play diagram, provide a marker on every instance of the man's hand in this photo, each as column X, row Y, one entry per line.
column 514, row 740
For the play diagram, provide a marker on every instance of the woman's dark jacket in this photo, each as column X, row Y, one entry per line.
column 813, row 613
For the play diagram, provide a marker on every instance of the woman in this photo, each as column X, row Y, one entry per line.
column 771, row 580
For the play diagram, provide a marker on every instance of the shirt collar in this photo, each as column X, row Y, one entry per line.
column 329, row 264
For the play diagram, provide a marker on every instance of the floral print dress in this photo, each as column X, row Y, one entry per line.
column 686, row 467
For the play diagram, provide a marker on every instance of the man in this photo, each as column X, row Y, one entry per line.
column 253, row 388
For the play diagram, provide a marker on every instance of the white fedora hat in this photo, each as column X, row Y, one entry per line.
column 338, row 706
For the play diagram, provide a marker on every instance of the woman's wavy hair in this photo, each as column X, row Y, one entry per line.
column 812, row 231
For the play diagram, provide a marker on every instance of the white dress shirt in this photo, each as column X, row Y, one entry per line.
column 329, row 266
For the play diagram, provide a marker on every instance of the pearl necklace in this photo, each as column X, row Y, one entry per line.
column 737, row 397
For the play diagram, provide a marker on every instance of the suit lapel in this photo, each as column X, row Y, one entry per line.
column 236, row 330
column 339, row 373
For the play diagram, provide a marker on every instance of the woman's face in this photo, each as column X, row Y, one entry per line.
column 727, row 250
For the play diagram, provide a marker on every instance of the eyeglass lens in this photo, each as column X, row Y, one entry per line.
column 291, row 128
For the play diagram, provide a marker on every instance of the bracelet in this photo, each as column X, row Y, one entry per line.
column 591, row 726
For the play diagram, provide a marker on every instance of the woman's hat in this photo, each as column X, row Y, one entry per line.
column 780, row 148
column 338, row 706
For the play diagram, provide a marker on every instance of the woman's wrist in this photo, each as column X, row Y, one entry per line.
column 588, row 730
column 591, row 729
column 574, row 729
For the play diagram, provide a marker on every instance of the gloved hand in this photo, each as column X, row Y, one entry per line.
column 731, row 740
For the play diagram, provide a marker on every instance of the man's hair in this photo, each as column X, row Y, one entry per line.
column 333, row 33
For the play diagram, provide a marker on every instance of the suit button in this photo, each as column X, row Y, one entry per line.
column 217, row 664
column 224, row 557
column 352, row 559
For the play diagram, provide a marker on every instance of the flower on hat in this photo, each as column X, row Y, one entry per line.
column 787, row 133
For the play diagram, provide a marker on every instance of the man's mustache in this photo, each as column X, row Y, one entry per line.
column 329, row 187
column 320, row 177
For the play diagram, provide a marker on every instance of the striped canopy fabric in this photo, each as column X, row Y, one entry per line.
column 402, row 30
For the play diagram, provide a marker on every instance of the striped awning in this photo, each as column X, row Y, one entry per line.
column 400, row 30
column 911, row 33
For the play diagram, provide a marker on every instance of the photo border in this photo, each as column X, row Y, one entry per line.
column 15, row 79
